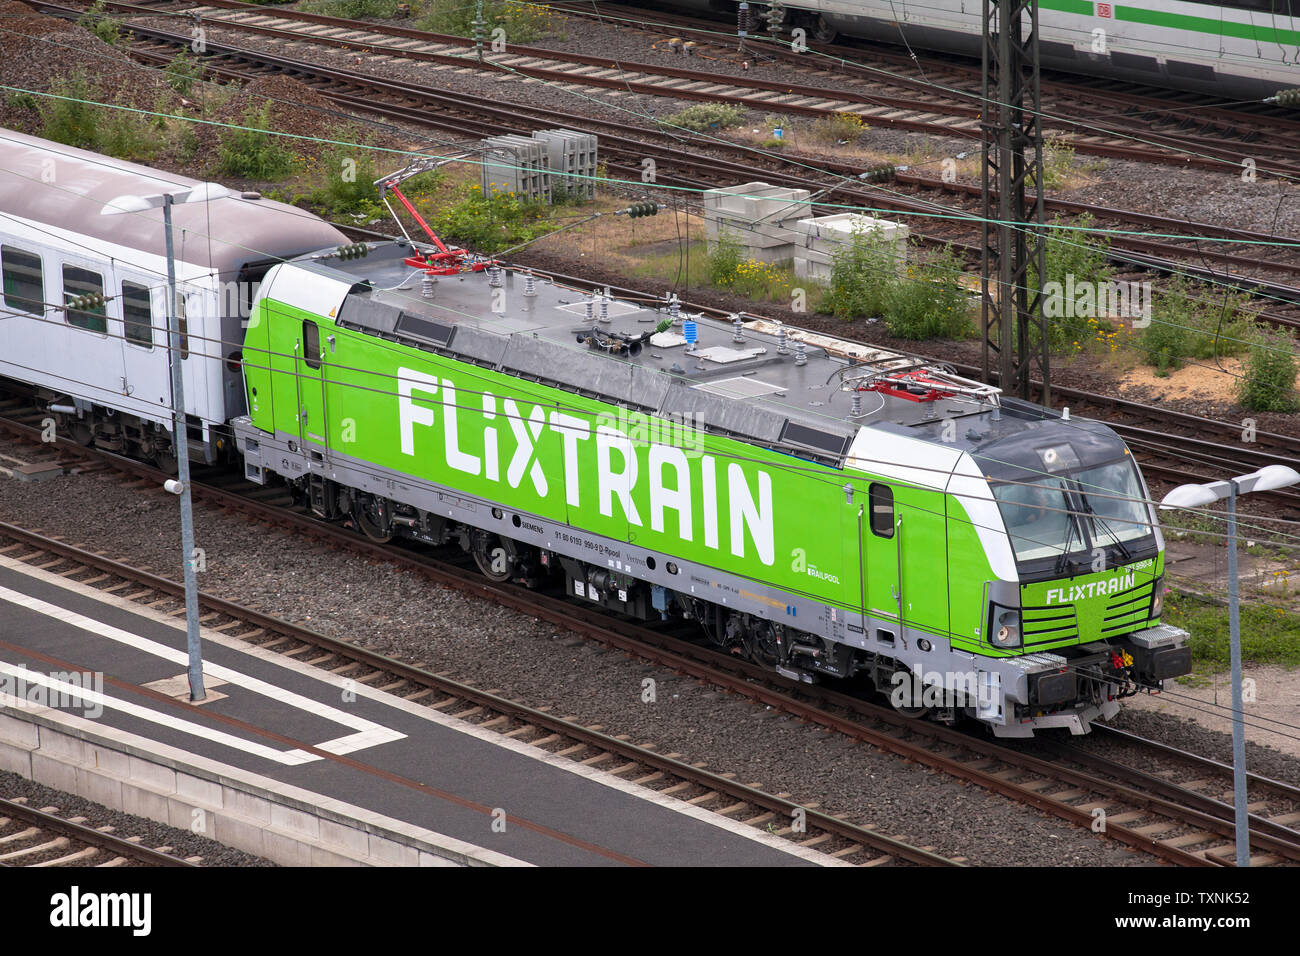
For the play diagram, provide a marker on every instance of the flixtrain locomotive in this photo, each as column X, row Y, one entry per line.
column 1235, row 48
column 816, row 505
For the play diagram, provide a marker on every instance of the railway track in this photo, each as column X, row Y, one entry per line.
column 1177, row 824
column 1186, row 247
column 41, row 838
column 1092, row 108
column 565, row 737
column 878, row 95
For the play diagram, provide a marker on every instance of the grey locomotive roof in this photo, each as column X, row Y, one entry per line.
column 744, row 388
column 217, row 228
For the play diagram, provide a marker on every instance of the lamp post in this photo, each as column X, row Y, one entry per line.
column 1196, row 496
column 180, row 486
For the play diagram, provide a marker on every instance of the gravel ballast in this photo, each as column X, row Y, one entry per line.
column 400, row 614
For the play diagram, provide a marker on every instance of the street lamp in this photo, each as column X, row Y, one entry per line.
column 180, row 433
column 1195, row 496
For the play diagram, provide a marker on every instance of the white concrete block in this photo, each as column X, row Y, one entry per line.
column 246, row 806
column 389, row 853
column 109, row 761
column 156, row 777
column 16, row 759
column 54, row 772
column 100, row 787
column 203, row 792
column 340, row 836
column 144, row 803
column 23, row 733
column 285, row 849
column 238, row 834
column 298, row 822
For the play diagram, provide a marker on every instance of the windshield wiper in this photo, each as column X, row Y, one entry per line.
column 1099, row 520
column 1069, row 538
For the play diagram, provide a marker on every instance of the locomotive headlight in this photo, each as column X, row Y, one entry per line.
column 1158, row 597
column 1005, row 631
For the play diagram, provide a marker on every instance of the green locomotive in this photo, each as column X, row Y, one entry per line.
column 820, row 506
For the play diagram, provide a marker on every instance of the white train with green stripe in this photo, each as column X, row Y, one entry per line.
column 1238, row 48
column 818, row 506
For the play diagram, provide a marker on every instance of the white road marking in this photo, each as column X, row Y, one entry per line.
column 368, row 733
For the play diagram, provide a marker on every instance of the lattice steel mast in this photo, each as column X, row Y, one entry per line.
column 1014, row 243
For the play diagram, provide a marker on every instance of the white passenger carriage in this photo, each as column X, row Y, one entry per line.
column 75, row 223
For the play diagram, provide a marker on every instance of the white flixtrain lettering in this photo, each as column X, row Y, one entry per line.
column 668, row 480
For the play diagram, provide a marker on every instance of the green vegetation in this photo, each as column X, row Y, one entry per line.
column 924, row 303
column 72, row 121
column 522, row 22
column 1269, row 635
column 928, row 303
column 1073, row 258
column 70, row 117
column 751, row 278
column 20, row 101
column 253, row 153
column 349, row 180
column 492, row 223
column 1186, row 325
column 706, row 116
column 183, row 72
column 355, row 9
column 99, row 23
column 841, row 126
column 1058, row 160
column 1268, row 384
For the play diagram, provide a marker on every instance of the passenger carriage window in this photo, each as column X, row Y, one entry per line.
column 881, row 499
column 78, row 282
column 137, row 314
column 311, row 344
column 24, row 288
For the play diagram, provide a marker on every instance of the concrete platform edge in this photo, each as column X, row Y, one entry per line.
column 244, row 810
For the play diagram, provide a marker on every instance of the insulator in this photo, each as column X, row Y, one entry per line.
column 781, row 347
column 352, row 250
column 604, row 308
column 675, row 309
column 691, row 333
column 856, row 410
column 495, row 277
column 737, row 328
column 427, row 284
column 879, row 174
column 530, row 284
column 800, row 354
column 742, row 20
column 591, row 308
column 1285, row 98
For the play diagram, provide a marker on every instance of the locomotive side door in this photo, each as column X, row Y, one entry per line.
column 881, row 545
column 309, row 364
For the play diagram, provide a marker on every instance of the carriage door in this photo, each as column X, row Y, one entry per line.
column 311, row 391
column 882, row 547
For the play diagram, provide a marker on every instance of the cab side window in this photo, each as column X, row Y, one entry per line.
column 881, row 499
column 311, row 344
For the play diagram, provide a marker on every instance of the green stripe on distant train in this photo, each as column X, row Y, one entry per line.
column 1180, row 21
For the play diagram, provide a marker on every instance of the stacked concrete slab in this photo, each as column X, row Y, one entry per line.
column 763, row 218
column 823, row 236
column 519, row 165
column 573, row 160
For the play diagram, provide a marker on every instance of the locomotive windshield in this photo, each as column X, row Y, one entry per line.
column 1058, row 515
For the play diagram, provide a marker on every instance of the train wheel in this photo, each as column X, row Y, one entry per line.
column 495, row 556
column 822, row 31
column 905, row 695
column 372, row 518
